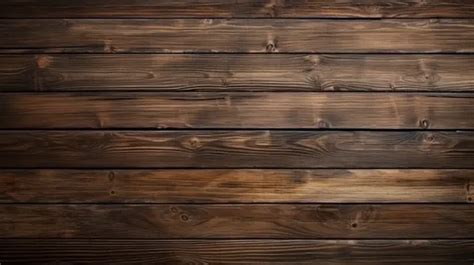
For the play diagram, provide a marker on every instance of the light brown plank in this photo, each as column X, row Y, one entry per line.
column 241, row 8
column 236, row 72
column 230, row 186
column 322, row 252
column 237, row 221
column 237, row 149
column 237, row 110
column 236, row 35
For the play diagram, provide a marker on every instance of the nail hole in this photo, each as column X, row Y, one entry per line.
column 469, row 199
column 354, row 225
column 112, row 192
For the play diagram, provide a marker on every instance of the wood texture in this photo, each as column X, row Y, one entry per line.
column 230, row 186
column 236, row 72
column 236, row 35
column 241, row 8
column 237, row 221
column 321, row 252
column 237, row 110
column 238, row 149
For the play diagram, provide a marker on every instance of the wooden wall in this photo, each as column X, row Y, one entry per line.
column 237, row 132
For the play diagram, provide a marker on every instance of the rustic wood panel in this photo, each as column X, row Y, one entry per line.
column 322, row 252
column 236, row 35
column 228, row 186
column 236, row 72
column 237, row 221
column 241, row 8
column 237, row 149
column 237, row 110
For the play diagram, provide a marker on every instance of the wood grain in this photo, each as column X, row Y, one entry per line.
column 231, row 186
column 236, row 35
column 237, row 149
column 322, row 252
column 237, row 110
column 241, row 8
column 237, row 221
column 236, row 72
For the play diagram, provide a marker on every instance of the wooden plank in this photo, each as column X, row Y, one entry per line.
column 242, row 8
column 322, row 252
column 237, row 149
column 236, row 72
column 237, row 221
column 237, row 110
column 230, row 186
column 237, row 35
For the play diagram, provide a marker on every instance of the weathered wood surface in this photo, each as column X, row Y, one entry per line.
column 237, row 110
column 236, row 35
column 237, row 221
column 236, row 72
column 241, row 8
column 236, row 186
column 237, row 149
column 321, row 252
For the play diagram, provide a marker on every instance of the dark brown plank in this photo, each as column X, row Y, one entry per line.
column 321, row 252
column 237, row 110
column 241, row 8
column 227, row 186
column 237, row 149
column 237, row 35
column 236, row 72
column 237, row 221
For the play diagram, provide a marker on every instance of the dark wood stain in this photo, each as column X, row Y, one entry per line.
column 236, row 36
column 237, row 132
column 242, row 8
column 237, row 110
column 237, row 72
column 237, row 149
column 324, row 252
column 237, row 221
column 236, row 186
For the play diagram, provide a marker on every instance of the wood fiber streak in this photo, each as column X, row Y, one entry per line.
column 241, row 8
column 230, row 186
column 236, row 72
column 236, row 35
column 237, row 221
column 237, row 110
column 237, row 149
column 322, row 252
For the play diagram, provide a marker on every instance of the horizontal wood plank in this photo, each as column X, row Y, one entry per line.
column 322, row 252
column 237, row 110
column 230, row 186
column 241, row 8
column 237, row 149
column 236, row 35
column 237, row 221
column 236, row 72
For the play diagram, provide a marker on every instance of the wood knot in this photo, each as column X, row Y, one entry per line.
column 322, row 124
column 112, row 192
column 425, row 124
column 429, row 137
column 184, row 217
column 43, row 61
column 208, row 21
column 111, row 176
column 271, row 46
column 194, row 143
